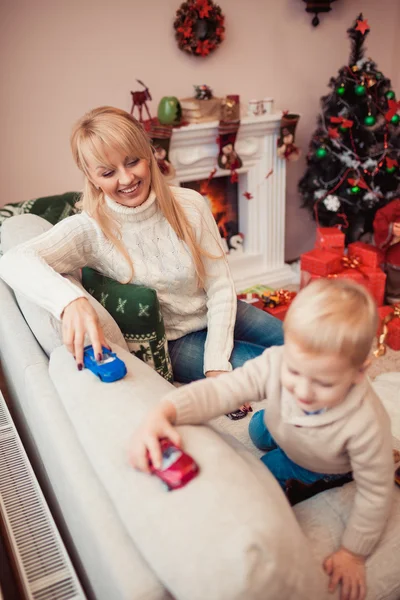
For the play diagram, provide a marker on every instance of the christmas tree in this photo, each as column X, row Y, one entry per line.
column 354, row 155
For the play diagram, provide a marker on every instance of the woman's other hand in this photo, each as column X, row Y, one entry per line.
column 80, row 318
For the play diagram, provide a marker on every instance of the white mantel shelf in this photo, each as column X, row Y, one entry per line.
column 194, row 152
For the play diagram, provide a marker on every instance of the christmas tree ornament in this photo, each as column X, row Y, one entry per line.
column 316, row 7
column 395, row 119
column 286, row 146
column 355, row 189
column 343, row 129
column 332, row 203
column 321, row 152
column 371, row 81
column 139, row 99
column 199, row 27
column 390, row 95
column 370, row 120
column 360, row 89
column 378, row 75
column 341, row 90
column 169, row 111
column 362, row 26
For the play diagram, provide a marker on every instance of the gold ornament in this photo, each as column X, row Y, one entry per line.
column 354, row 68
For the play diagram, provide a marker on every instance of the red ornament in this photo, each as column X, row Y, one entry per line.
column 393, row 106
column 343, row 122
column 362, row 26
column 360, row 182
column 333, row 133
column 248, row 195
column 391, row 162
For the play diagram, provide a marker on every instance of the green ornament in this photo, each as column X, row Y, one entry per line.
column 395, row 119
column 343, row 129
column 341, row 90
column 390, row 169
column 390, row 95
column 355, row 189
column 321, row 152
column 370, row 120
column 360, row 90
column 378, row 75
column 169, row 111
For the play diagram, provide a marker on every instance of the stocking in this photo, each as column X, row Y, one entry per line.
column 227, row 132
column 161, row 138
column 286, row 146
column 228, row 157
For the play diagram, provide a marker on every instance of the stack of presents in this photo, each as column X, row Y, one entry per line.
column 361, row 262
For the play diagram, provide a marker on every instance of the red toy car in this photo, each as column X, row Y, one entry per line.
column 177, row 467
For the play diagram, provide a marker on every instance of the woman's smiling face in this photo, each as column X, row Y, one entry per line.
column 124, row 179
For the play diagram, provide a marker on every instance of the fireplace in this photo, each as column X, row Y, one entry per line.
column 256, row 250
column 221, row 194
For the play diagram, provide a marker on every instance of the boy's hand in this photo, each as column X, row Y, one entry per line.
column 157, row 425
column 348, row 569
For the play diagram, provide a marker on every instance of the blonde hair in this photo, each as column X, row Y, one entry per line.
column 337, row 316
column 107, row 126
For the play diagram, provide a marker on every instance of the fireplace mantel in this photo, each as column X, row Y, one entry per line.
column 194, row 152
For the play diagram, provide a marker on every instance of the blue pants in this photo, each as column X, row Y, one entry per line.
column 255, row 330
column 280, row 465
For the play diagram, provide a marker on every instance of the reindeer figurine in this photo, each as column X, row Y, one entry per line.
column 139, row 99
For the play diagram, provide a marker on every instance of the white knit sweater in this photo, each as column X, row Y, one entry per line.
column 161, row 261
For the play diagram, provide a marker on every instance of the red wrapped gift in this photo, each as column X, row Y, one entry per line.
column 368, row 255
column 330, row 238
column 376, row 282
column 389, row 328
column 321, row 262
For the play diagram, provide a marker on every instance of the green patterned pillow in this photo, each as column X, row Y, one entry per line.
column 51, row 208
column 137, row 312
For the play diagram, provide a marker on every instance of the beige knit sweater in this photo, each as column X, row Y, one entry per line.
column 352, row 436
column 161, row 261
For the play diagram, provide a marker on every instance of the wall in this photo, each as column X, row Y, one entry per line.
column 60, row 58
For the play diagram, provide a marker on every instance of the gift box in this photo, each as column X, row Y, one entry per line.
column 321, row 262
column 389, row 315
column 368, row 255
column 330, row 238
column 376, row 283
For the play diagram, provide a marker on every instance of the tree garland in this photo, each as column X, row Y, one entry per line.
column 199, row 27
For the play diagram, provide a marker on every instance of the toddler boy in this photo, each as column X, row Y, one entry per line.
column 322, row 421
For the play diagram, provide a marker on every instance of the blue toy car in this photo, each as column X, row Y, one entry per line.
column 111, row 368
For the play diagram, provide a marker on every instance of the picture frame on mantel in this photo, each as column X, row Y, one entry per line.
column 261, row 193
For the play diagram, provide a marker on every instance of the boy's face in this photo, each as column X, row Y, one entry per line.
column 317, row 380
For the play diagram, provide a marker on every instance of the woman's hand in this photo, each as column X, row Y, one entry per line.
column 348, row 569
column 79, row 318
column 146, row 439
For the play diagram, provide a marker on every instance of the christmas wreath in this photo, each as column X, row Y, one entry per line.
column 199, row 27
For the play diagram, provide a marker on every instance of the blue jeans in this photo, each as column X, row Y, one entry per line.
column 255, row 330
column 280, row 465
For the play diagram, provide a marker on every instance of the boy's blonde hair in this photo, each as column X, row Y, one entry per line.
column 107, row 126
column 336, row 316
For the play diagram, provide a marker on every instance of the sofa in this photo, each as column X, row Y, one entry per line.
column 230, row 534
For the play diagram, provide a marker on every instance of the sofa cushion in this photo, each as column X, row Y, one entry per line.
column 137, row 311
column 45, row 327
column 228, row 535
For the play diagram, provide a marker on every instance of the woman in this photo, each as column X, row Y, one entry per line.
column 134, row 228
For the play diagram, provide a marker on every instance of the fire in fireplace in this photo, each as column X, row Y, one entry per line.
column 222, row 197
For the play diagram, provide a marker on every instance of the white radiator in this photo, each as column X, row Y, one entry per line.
column 44, row 569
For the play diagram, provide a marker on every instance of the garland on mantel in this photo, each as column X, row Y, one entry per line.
column 199, row 27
